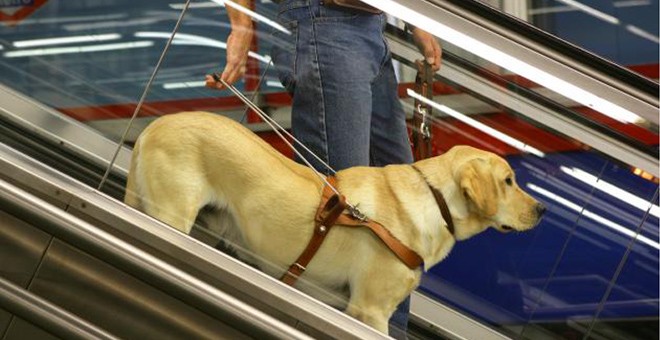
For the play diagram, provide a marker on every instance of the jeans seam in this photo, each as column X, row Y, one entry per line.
column 383, row 62
column 292, row 5
column 322, row 112
column 294, row 67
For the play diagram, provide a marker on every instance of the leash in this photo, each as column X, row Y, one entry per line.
column 138, row 107
column 281, row 131
column 421, row 121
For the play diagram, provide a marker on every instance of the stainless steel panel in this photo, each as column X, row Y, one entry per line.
column 5, row 318
column 118, row 302
column 45, row 315
column 46, row 191
column 453, row 324
column 149, row 269
column 23, row 330
column 54, row 126
column 21, row 249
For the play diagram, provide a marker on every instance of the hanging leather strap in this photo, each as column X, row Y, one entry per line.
column 440, row 201
column 330, row 213
column 421, row 120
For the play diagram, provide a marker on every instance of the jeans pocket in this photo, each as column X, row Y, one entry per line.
column 334, row 14
column 284, row 52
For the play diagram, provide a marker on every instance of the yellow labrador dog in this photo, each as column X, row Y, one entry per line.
column 186, row 161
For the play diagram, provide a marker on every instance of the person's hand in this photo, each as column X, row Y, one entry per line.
column 429, row 47
column 238, row 46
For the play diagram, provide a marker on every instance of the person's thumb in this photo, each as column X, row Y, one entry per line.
column 429, row 53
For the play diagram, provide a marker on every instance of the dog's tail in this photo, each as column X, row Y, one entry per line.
column 132, row 196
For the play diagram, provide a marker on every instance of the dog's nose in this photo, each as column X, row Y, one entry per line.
column 540, row 209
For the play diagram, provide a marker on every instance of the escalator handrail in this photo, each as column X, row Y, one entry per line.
column 530, row 106
column 564, row 74
column 495, row 16
column 393, row 32
column 45, row 315
column 143, row 265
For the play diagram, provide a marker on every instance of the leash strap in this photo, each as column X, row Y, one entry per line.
column 421, row 121
column 330, row 213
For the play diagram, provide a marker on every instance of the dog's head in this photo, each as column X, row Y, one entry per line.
column 493, row 198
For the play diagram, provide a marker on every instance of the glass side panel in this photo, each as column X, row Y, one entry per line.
column 624, row 310
column 554, row 280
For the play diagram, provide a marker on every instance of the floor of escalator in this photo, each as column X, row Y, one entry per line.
column 418, row 331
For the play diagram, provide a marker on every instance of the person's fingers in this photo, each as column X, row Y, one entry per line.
column 233, row 73
column 238, row 45
column 437, row 52
column 211, row 83
column 429, row 51
column 229, row 75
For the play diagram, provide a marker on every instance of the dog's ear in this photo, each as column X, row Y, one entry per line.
column 477, row 185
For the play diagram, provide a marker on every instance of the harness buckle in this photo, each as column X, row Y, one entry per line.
column 355, row 212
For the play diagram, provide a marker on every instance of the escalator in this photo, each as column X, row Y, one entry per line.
column 543, row 284
column 122, row 274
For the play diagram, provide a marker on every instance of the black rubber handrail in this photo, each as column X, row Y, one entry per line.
column 394, row 32
column 561, row 46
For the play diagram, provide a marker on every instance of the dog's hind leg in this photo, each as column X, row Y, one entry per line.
column 176, row 203
column 180, row 217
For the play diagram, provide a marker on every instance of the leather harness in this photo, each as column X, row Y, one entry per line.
column 331, row 212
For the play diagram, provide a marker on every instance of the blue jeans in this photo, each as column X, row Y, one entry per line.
column 338, row 68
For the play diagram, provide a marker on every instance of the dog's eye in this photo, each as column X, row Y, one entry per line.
column 508, row 181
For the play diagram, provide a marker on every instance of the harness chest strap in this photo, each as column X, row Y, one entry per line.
column 330, row 213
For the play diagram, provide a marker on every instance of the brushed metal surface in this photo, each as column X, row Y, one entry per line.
column 182, row 287
column 21, row 248
column 118, row 302
column 26, row 305
column 22, row 330
column 69, row 133
column 564, row 67
column 5, row 318
column 535, row 111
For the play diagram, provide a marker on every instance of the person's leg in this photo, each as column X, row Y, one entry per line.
column 330, row 67
column 390, row 145
column 339, row 54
